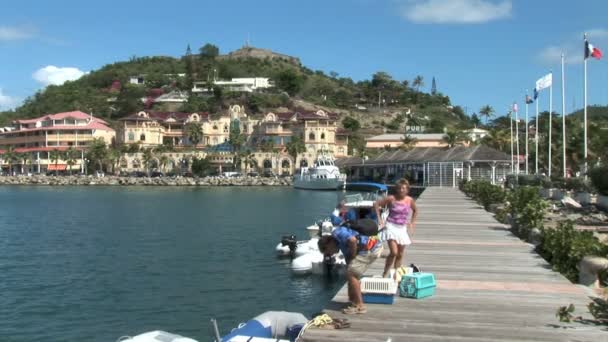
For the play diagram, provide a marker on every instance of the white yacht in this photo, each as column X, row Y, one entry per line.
column 323, row 175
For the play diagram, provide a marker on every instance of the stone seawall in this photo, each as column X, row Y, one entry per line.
column 142, row 181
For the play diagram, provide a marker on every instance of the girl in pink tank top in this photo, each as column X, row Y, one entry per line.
column 399, row 226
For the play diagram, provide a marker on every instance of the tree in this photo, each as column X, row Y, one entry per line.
column 351, row 123
column 129, row 99
column 267, row 145
column 290, row 81
column 194, row 132
column 114, row 156
column 475, row 120
column 498, row 139
column 452, row 138
column 200, row 166
column 148, row 157
column 356, row 145
column 163, row 160
column 249, row 159
column 98, row 153
column 433, row 87
column 408, row 142
column 9, row 157
column 486, row 111
column 418, row 82
column 208, row 51
column 54, row 156
column 71, row 155
column 295, row 146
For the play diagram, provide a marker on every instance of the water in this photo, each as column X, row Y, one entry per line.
column 92, row 264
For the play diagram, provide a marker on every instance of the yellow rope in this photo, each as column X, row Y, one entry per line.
column 318, row 321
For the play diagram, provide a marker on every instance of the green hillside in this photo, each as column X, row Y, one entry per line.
column 107, row 93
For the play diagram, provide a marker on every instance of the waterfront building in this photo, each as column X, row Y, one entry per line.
column 395, row 140
column 431, row 166
column 35, row 139
column 245, row 85
column 265, row 136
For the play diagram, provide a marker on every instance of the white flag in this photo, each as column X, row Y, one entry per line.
column 544, row 82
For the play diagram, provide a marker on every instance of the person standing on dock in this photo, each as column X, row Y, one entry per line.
column 360, row 252
column 398, row 228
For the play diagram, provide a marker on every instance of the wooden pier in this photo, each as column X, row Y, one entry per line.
column 491, row 286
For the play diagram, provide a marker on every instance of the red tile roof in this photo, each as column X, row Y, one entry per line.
column 162, row 116
column 43, row 149
column 59, row 116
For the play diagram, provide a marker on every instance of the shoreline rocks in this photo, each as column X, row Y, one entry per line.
column 142, row 181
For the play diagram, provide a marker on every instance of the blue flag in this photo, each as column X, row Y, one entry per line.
column 528, row 99
column 535, row 94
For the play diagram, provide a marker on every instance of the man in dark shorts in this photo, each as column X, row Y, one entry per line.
column 360, row 251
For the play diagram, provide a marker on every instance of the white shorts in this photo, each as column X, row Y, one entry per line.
column 395, row 232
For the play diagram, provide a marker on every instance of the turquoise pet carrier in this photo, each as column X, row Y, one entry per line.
column 417, row 285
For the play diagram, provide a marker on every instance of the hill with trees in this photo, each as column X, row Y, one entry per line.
column 381, row 102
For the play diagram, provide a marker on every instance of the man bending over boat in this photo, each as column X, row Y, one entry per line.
column 360, row 252
column 342, row 214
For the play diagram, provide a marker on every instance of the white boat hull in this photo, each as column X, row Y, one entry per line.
column 317, row 184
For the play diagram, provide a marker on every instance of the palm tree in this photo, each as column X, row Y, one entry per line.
column 148, row 157
column 418, row 82
column 54, row 156
column 452, row 138
column 26, row 159
column 163, row 160
column 408, row 142
column 194, row 132
column 294, row 147
column 250, row 161
column 486, row 111
column 71, row 155
column 498, row 139
column 9, row 157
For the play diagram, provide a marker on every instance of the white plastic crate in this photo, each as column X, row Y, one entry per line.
column 378, row 290
column 378, row 285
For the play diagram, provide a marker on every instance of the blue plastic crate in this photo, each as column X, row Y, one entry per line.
column 417, row 285
column 377, row 298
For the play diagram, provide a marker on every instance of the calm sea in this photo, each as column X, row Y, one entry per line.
column 92, row 264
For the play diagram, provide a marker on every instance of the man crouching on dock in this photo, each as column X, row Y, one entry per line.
column 360, row 251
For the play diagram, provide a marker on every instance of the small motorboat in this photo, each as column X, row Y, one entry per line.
column 290, row 246
column 277, row 326
column 155, row 336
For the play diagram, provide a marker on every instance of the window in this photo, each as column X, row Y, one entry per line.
column 322, row 136
column 131, row 136
column 225, row 128
column 341, row 150
column 142, row 137
column 311, row 136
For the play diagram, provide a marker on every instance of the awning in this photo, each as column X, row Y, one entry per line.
column 57, row 167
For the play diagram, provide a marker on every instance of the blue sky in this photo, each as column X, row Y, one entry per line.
column 480, row 51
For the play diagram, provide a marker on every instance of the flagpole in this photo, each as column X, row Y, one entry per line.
column 585, row 108
column 527, row 131
column 550, row 120
column 517, row 136
column 564, row 115
column 536, row 134
column 511, row 122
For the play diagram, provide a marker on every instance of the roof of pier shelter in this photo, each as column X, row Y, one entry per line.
column 430, row 154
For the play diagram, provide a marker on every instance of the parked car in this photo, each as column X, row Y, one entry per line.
column 138, row 174
column 269, row 174
column 157, row 174
column 229, row 174
column 253, row 174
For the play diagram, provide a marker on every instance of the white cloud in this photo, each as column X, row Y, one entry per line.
column 16, row 33
column 573, row 47
column 7, row 102
column 457, row 11
column 57, row 75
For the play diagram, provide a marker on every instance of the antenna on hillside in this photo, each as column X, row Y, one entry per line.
column 247, row 41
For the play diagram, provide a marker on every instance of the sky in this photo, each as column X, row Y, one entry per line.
column 480, row 51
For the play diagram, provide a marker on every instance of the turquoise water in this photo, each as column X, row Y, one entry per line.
column 92, row 264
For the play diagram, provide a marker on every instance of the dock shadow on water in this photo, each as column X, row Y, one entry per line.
column 93, row 264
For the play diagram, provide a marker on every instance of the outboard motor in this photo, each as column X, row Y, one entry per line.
column 291, row 242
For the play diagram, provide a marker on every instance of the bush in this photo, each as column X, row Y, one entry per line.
column 484, row 192
column 599, row 179
column 577, row 184
column 527, row 209
column 564, row 247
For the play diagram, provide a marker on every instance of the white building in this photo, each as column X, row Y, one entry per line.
column 476, row 134
column 248, row 85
